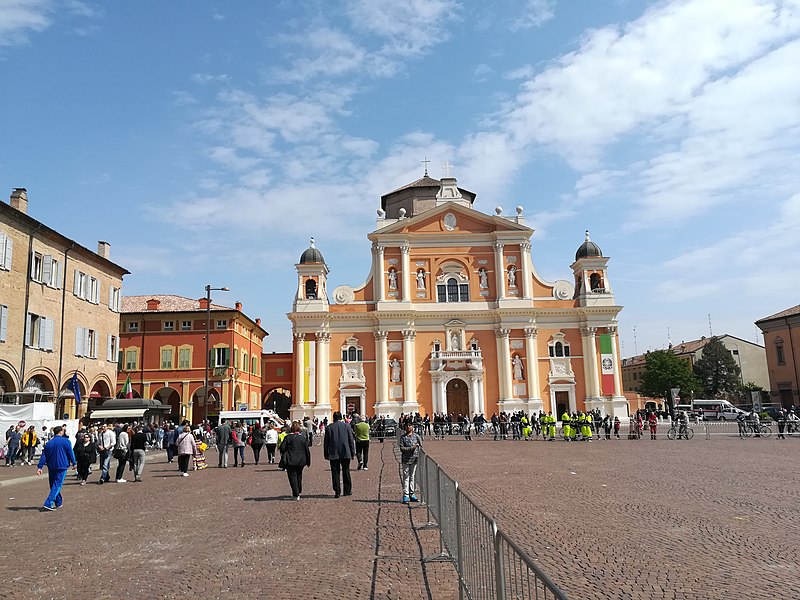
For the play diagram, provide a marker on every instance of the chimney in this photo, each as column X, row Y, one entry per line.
column 238, row 306
column 19, row 200
column 104, row 249
column 153, row 303
column 258, row 321
column 203, row 302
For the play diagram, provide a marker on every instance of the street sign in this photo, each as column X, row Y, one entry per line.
column 756, row 396
column 674, row 393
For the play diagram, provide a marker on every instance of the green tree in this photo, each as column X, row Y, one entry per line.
column 663, row 371
column 717, row 371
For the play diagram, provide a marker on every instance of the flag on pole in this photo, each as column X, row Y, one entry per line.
column 75, row 386
column 127, row 388
column 607, row 364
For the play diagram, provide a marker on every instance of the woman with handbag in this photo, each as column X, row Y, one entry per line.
column 85, row 451
column 239, row 437
column 187, row 448
column 295, row 456
column 256, row 441
column 121, row 449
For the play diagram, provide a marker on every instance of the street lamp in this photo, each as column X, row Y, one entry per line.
column 208, row 333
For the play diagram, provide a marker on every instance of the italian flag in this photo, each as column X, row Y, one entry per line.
column 127, row 388
column 607, row 364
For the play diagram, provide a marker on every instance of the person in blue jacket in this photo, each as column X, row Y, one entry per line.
column 58, row 456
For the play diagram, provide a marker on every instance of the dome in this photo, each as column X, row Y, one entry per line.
column 588, row 248
column 311, row 255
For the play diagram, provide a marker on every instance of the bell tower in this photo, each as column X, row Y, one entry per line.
column 592, row 287
column 312, row 274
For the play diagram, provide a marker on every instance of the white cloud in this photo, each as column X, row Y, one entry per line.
column 20, row 18
column 204, row 78
column 482, row 72
column 535, row 14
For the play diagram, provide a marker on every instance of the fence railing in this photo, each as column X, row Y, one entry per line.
column 489, row 564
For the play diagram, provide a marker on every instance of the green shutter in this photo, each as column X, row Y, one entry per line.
column 226, row 359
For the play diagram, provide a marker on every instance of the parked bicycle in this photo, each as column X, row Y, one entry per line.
column 751, row 428
column 678, row 432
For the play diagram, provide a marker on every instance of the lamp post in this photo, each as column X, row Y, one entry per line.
column 208, row 333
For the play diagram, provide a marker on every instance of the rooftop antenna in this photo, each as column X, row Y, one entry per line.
column 425, row 162
column 635, row 345
column 710, row 330
column 669, row 340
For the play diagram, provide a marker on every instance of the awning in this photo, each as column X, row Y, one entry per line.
column 119, row 412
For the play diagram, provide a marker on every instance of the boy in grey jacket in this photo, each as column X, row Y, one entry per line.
column 409, row 443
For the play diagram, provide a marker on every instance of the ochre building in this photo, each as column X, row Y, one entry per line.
column 453, row 318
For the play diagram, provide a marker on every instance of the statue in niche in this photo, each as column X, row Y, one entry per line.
column 392, row 279
column 455, row 343
column 517, row 367
column 483, row 279
column 512, row 276
column 421, row 279
column 394, row 364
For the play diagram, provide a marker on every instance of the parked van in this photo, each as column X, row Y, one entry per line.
column 716, row 409
column 250, row 417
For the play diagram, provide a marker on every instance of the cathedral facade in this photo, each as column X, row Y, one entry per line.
column 453, row 318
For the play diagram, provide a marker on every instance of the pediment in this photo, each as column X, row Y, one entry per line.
column 452, row 218
column 455, row 324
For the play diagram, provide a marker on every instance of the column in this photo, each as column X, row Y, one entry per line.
column 474, row 395
column 435, row 404
column 323, row 368
column 505, row 376
column 532, row 354
column 406, row 280
column 527, row 279
column 378, row 271
column 409, row 365
column 299, row 370
column 499, row 270
column 590, row 362
column 381, row 366
column 612, row 331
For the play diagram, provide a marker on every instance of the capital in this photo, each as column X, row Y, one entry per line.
column 405, row 247
column 299, row 337
column 588, row 331
column 498, row 246
column 612, row 329
column 500, row 333
column 409, row 334
column 531, row 332
column 323, row 336
column 380, row 334
column 525, row 246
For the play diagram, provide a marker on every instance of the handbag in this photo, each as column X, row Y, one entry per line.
column 282, row 463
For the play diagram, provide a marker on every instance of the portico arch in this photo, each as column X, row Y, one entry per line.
column 170, row 397
column 279, row 400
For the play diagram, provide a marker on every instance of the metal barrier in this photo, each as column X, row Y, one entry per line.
column 489, row 564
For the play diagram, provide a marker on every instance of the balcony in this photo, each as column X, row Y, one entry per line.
column 472, row 359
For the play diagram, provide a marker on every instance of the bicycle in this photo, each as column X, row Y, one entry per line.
column 750, row 430
column 317, row 438
column 679, row 432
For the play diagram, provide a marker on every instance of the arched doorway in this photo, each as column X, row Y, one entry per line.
column 171, row 398
column 457, row 397
column 279, row 400
column 6, row 382
column 203, row 410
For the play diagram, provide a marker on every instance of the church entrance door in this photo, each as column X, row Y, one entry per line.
column 457, row 398
column 562, row 404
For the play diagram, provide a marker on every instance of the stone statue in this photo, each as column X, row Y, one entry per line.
column 392, row 279
column 395, row 366
column 483, row 279
column 517, row 367
column 421, row 279
column 512, row 276
column 454, row 342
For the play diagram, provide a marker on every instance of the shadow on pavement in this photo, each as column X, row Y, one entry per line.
column 20, row 508
column 286, row 497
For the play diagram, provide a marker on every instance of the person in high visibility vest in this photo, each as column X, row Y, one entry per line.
column 586, row 428
column 526, row 428
column 566, row 427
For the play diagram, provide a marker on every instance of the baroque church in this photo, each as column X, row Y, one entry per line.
column 453, row 318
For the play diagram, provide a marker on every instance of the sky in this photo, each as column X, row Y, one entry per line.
column 207, row 141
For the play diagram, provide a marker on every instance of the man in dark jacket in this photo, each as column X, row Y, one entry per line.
column 339, row 448
column 58, row 456
column 223, row 441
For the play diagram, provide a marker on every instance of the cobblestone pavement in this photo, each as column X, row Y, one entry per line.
column 219, row 533
column 644, row 519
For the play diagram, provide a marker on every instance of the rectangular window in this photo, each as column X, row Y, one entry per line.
column 779, row 353
column 254, row 368
column 53, row 278
column 169, row 325
column 37, row 266
column 222, row 324
column 220, row 357
column 166, row 358
column 111, row 348
column 6, row 250
column 186, row 325
column 184, row 358
column 93, row 291
column 3, row 322
column 39, row 332
column 130, row 359
column 133, row 326
column 86, row 342
column 113, row 298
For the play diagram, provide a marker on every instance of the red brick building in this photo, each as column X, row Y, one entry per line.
column 163, row 350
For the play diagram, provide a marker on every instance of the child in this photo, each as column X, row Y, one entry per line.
column 200, row 456
column 616, row 426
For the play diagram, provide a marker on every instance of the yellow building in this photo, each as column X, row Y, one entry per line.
column 59, row 313
column 453, row 318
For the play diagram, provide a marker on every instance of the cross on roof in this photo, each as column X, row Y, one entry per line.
column 447, row 166
column 425, row 162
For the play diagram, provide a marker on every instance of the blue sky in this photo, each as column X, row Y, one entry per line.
column 207, row 141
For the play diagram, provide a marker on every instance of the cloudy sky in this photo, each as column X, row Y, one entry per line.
column 207, row 141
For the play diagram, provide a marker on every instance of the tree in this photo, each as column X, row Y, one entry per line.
column 717, row 370
column 664, row 371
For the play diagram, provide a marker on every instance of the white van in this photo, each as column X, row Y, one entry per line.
column 716, row 409
column 250, row 417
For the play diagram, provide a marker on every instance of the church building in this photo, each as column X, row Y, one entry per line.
column 453, row 318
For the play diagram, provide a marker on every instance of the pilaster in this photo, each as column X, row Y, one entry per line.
column 299, row 370
column 406, row 275
column 499, row 271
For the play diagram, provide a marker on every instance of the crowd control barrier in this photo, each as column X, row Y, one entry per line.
column 489, row 564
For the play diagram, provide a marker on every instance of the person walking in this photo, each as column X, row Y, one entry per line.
column 29, row 442
column 187, row 448
column 223, row 441
column 85, row 451
column 256, row 441
column 617, row 425
column 271, row 439
column 121, row 449
column 138, row 445
column 239, row 441
column 781, row 424
column 295, row 455
column 361, row 435
column 339, row 447
column 58, row 456
column 409, row 444
column 13, row 439
column 106, row 440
